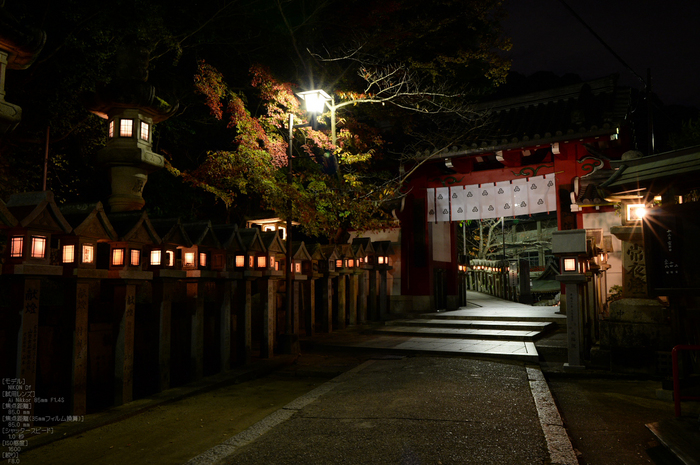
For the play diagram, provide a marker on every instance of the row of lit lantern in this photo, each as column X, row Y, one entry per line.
column 490, row 269
column 120, row 256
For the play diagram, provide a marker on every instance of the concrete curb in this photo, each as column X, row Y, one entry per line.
column 561, row 452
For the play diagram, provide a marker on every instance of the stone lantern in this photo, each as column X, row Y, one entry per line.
column 132, row 107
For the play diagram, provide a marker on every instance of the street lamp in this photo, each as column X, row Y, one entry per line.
column 315, row 100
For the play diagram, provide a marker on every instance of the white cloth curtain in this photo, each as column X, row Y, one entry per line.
column 504, row 199
column 430, row 207
column 520, row 196
column 442, row 203
column 471, row 195
column 458, row 204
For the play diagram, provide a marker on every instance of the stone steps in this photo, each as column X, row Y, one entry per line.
column 490, row 325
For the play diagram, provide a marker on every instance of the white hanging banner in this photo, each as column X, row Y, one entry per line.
column 504, row 199
column 521, row 203
column 457, row 199
column 537, row 194
column 551, row 197
column 520, row 196
column 471, row 197
column 430, row 208
column 442, row 203
column 487, row 200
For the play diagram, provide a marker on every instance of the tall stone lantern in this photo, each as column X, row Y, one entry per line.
column 132, row 107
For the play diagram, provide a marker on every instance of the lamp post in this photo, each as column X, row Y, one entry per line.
column 315, row 100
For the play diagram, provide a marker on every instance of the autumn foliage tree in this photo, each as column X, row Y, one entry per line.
column 324, row 197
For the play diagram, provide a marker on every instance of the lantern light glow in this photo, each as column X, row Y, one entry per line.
column 88, row 253
column 570, row 264
column 126, row 127
column 16, row 246
column 134, row 257
column 117, row 257
column 38, row 246
column 68, row 253
column 315, row 100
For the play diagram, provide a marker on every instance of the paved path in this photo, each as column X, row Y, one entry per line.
column 417, row 410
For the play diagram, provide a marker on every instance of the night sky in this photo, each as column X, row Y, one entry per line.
column 663, row 35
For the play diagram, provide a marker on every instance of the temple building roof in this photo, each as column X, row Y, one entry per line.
column 586, row 109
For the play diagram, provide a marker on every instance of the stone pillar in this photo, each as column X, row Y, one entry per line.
column 125, row 308
column 78, row 401
column 340, row 323
column 352, row 292
column 269, row 310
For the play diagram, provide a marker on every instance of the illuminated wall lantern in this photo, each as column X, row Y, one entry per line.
column 189, row 259
column 88, row 255
column 381, row 260
column 570, row 265
column 126, row 127
column 240, row 261
column 156, row 257
column 117, row 257
column 145, row 131
column 134, row 257
column 635, row 211
column 16, row 246
column 38, row 246
column 68, row 254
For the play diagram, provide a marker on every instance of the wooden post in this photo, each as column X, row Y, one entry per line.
column 125, row 308
column 196, row 302
column 311, row 307
column 352, row 293
column 244, row 325
column 362, row 295
column 162, row 302
column 340, row 323
column 372, row 299
column 78, row 401
column 267, row 297
column 27, row 343
column 295, row 315
column 327, row 304
column 225, row 324
column 383, row 297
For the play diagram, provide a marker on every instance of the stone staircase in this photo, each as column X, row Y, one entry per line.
column 488, row 327
column 482, row 331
